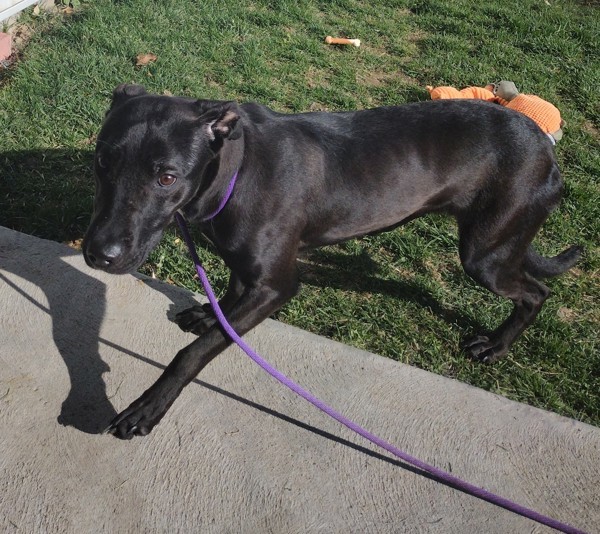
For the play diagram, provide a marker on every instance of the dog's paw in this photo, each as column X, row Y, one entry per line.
column 485, row 349
column 139, row 419
column 197, row 319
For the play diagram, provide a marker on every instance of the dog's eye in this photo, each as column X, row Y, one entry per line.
column 167, row 180
column 101, row 161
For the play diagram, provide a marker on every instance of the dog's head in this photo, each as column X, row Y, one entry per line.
column 152, row 154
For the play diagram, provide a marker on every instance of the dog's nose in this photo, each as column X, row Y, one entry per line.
column 103, row 258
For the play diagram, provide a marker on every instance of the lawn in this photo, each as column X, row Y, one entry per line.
column 401, row 294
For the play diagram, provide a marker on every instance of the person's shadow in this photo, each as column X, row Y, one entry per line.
column 76, row 301
column 76, row 304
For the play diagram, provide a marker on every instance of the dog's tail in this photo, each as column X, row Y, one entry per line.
column 541, row 267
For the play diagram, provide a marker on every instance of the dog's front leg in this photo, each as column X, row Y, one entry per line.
column 255, row 305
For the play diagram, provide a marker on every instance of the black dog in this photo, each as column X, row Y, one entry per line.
column 314, row 179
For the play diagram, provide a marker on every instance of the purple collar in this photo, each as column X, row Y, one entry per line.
column 224, row 199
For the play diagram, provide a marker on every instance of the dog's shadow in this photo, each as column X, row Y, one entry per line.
column 333, row 268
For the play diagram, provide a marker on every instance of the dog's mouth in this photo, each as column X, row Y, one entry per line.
column 120, row 265
column 117, row 257
column 125, row 268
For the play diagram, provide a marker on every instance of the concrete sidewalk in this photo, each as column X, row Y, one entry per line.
column 237, row 452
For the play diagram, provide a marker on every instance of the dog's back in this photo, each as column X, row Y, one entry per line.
column 371, row 170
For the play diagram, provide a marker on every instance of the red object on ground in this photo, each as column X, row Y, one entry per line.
column 5, row 46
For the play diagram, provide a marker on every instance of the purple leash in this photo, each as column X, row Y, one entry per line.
column 223, row 201
column 439, row 474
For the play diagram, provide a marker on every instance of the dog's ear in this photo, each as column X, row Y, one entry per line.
column 221, row 119
column 226, row 125
column 124, row 92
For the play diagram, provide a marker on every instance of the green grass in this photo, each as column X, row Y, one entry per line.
column 400, row 294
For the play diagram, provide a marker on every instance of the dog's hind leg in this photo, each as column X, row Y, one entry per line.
column 528, row 296
column 496, row 232
column 494, row 251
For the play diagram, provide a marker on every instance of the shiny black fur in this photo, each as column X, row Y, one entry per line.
column 313, row 179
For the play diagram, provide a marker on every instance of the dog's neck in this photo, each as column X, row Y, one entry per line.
column 218, row 175
column 224, row 199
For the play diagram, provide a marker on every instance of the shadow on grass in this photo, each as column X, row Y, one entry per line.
column 47, row 193
column 359, row 274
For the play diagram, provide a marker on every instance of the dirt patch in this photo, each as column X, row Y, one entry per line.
column 380, row 78
column 416, row 36
column 566, row 315
column 318, row 106
column 591, row 129
column 316, row 78
column 374, row 78
column 22, row 32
